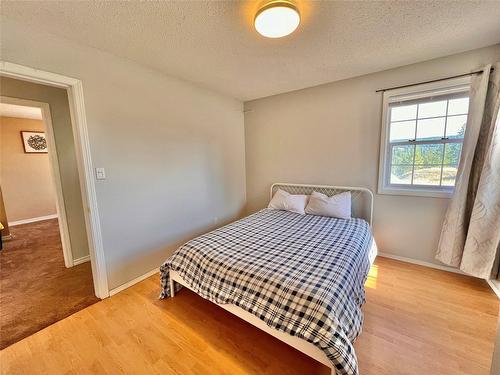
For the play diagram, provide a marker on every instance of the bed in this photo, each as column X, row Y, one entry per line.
column 298, row 277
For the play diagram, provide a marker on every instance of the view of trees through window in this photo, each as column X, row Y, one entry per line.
column 426, row 141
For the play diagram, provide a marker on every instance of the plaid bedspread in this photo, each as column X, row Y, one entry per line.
column 301, row 274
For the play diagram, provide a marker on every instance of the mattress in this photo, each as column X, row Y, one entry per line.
column 300, row 274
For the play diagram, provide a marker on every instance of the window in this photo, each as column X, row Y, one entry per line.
column 423, row 130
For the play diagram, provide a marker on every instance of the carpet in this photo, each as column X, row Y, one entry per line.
column 36, row 289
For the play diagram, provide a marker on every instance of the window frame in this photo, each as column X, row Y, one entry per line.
column 406, row 94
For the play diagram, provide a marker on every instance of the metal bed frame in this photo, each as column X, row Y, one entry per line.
column 362, row 207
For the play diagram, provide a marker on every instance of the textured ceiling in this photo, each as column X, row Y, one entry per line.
column 213, row 43
column 20, row 111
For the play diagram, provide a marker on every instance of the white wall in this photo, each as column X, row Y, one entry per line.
column 173, row 152
column 330, row 134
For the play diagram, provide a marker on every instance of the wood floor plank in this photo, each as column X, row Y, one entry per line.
column 417, row 321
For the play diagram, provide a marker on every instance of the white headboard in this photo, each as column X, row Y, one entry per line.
column 362, row 198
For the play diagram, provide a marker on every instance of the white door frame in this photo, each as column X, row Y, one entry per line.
column 54, row 169
column 84, row 162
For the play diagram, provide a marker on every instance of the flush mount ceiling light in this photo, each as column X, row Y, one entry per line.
column 277, row 19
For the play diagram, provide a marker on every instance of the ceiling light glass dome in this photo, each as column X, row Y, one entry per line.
column 277, row 19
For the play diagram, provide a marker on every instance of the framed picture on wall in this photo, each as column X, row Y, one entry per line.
column 34, row 142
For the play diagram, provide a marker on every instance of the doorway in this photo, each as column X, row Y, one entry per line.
column 44, row 278
column 32, row 189
column 74, row 95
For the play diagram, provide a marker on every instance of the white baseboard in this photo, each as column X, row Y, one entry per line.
column 133, row 282
column 420, row 263
column 495, row 287
column 380, row 253
column 81, row 260
column 32, row 220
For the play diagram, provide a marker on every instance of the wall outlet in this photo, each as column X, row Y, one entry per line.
column 100, row 174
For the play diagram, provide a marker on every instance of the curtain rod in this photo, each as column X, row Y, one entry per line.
column 434, row 80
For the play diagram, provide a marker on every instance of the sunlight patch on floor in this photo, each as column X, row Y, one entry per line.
column 371, row 281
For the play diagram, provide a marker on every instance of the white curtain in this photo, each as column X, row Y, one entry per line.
column 470, row 235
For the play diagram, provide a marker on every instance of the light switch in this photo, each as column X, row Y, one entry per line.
column 100, row 174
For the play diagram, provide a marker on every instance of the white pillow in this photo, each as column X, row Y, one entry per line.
column 288, row 202
column 335, row 206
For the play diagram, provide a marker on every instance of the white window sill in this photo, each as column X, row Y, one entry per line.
column 430, row 193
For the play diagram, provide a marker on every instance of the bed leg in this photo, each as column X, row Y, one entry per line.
column 172, row 287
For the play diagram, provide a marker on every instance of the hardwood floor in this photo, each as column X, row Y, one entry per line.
column 417, row 321
column 36, row 289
